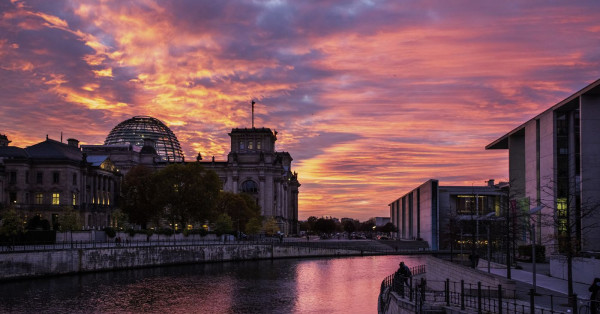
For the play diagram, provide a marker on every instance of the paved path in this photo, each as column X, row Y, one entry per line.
column 546, row 286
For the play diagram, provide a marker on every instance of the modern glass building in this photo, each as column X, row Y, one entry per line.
column 143, row 128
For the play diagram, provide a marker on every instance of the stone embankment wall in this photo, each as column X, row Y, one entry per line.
column 55, row 262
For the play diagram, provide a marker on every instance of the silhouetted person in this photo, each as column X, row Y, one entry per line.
column 595, row 296
column 401, row 278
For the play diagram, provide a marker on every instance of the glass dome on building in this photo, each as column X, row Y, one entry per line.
column 135, row 130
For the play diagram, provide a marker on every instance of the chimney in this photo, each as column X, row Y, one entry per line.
column 490, row 182
column 73, row 142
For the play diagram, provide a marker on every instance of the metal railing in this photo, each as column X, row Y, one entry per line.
column 475, row 296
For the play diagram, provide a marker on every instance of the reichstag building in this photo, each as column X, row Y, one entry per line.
column 42, row 178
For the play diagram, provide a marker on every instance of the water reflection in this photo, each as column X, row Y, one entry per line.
column 341, row 285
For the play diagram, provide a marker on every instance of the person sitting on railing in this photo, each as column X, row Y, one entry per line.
column 401, row 277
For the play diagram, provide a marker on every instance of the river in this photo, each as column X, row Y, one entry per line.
column 327, row 285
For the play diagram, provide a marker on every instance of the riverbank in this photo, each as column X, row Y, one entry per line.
column 30, row 264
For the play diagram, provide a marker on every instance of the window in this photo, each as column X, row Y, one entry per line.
column 39, row 198
column 241, row 145
column 74, row 179
column 39, row 177
column 74, row 199
column 13, row 178
column 55, row 177
column 55, row 198
column 250, row 145
column 12, row 197
column 249, row 186
column 258, row 145
column 26, row 176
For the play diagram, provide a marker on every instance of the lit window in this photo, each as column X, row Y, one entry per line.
column 250, row 145
column 55, row 198
column 258, row 146
column 74, row 199
column 39, row 198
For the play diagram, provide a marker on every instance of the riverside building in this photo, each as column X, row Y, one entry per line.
column 430, row 212
column 253, row 166
column 554, row 170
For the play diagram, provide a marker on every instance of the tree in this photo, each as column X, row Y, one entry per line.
column 139, row 190
column 37, row 223
column 349, row 226
column 254, row 226
column 311, row 221
column 326, row 226
column 571, row 213
column 223, row 224
column 119, row 219
column 271, row 226
column 69, row 220
column 388, row 228
column 186, row 193
column 240, row 207
column 12, row 224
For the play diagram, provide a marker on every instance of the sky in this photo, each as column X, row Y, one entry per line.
column 370, row 97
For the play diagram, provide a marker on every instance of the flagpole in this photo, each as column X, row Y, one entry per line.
column 253, row 113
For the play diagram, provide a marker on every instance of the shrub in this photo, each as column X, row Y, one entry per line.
column 110, row 232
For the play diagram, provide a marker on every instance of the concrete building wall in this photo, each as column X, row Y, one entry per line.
column 590, row 165
column 516, row 165
column 547, row 181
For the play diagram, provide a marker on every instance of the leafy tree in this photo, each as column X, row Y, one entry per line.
column 12, row 224
column 240, row 207
column 139, row 190
column 69, row 220
column 389, row 227
column 325, row 225
column 271, row 226
column 187, row 192
column 311, row 221
column 37, row 223
column 254, row 226
column 223, row 224
column 119, row 219
column 349, row 226
column 368, row 225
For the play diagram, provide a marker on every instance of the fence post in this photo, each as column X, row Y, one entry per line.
column 422, row 297
column 447, row 288
column 462, row 294
column 500, row 299
column 552, row 304
column 531, row 300
column 574, row 303
column 479, row 297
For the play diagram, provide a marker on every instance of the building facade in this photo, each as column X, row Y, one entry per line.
column 254, row 167
column 45, row 178
column 427, row 212
column 553, row 166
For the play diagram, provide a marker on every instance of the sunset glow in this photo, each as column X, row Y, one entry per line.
column 370, row 97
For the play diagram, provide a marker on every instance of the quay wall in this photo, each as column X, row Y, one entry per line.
column 15, row 265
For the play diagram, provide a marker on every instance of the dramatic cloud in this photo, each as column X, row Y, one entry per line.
column 371, row 97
